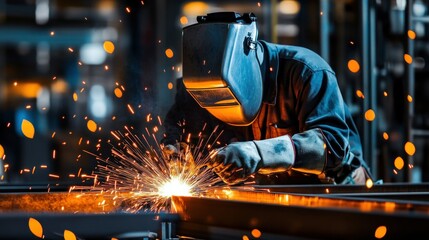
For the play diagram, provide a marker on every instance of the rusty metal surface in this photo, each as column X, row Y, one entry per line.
column 279, row 212
column 15, row 225
column 56, row 202
column 89, row 215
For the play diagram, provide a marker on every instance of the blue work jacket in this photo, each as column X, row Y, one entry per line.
column 302, row 99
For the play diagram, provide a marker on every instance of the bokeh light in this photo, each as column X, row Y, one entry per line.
column 169, row 53
column 411, row 34
column 410, row 149
column 380, row 232
column 35, row 227
column 69, row 235
column 118, row 92
column 256, row 233
column 370, row 115
column 399, row 163
column 109, row 47
column 408, row 59
column 92, row 126
column 27, row 129
column 353, row 66
column 1, row 151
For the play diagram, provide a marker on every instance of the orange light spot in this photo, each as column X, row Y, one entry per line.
column 69, row 235
column 128, row 9
column 408, row 59
column 71, row 49
column 35, row 227
column 256, row 233
column 411, row 34
column 1, row 151
column 353, row 66
column 409, row 98
column 399, row 163
column 380, row 232
column 370, row 115
column 130, row 108
column 359, row 93
column 385, row 94
column 109, row 47
column 184, row 20
column 369, row 183
column 259, row 4
column 245, row 237
column 92, row 126
column 75, row 97
column 27, row 128
column 385, row 136
column 170, row 85
column 118, row 92
column 410, row 149
column 169, row 53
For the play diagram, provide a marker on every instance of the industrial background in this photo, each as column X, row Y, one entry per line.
column 72, row 72
column 55, row 73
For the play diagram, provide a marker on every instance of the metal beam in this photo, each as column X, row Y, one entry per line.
column 324, row 29
column 369, row 81
column 63, row 37
column 409, row 87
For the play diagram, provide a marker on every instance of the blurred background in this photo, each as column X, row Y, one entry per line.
column 73, row 71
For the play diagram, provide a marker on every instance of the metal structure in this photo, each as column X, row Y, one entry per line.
column 266, row 212
column 369, row 80
column 341, row 212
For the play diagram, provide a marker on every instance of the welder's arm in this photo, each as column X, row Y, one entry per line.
column 239, row 160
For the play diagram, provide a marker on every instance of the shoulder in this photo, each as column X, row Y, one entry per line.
column 296, row 55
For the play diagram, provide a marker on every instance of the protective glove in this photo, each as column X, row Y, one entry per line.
column 179, row 158
column 236, row 162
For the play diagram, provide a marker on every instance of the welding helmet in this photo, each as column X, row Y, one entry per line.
column 221, row 68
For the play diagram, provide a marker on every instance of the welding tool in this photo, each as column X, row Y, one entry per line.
column 179, row 157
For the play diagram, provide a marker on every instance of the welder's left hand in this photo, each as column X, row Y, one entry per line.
column 179, row 157
column 236, row 162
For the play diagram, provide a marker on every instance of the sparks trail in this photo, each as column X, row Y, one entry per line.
column 138, row 168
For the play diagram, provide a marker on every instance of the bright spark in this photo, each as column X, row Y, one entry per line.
column 175, row 187
column 140, row 176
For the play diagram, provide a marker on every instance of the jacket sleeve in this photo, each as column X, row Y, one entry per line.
column 322, row 144
column 175, row 117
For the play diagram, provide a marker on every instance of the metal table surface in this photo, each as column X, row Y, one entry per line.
column 277, row 212
column 307, row 212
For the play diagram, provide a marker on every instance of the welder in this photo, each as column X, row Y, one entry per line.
column 282, row 114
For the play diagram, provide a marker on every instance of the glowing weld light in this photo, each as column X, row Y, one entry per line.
column 138, row 175
column 175, row 187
